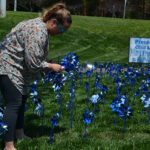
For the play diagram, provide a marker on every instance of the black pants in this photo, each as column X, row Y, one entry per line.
column 15, row 105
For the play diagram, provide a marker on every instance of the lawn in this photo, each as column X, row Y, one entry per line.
column 93, row 39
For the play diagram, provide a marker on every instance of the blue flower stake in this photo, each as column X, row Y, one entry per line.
column 114, row 105
column 80, row 76
column 120, row 106
column 70, row 104
column 143, row 99
column 146, row 101
column 87, row 117
column 136, row 94
column 104, row 92
column 59, row 100
column 101, row 73
column 125, row 111
column 3, row 129
column 87, row 90
column 94, row 100
column 131, row 81
column 35, row 100
column 54, row 121
column 40, row 111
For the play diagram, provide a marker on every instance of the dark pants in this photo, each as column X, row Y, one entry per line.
column 15, row 104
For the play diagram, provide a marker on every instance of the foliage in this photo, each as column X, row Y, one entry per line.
column 135, row 8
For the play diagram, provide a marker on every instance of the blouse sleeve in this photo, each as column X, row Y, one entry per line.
column 36, row 45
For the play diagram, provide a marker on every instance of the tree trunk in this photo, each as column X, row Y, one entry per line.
column 31, row 6
column 84, row 7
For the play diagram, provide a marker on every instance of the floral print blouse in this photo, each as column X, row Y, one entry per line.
column 23, row 53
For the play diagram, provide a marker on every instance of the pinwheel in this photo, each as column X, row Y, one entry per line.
column 70, row 62
column 94, row 99
column 35, row 100
column 40, row 111
column 80, row 76
column 3, row 128
column 120, row 106
column 1, row 113
column 70, row 104
column 104, row 90
column 87, row 90
column 54, row 121
column 89, row 74
column 136, row 94
column 59, row 100
column 96, row 83
column 131, row 81
column 125, row 112
column 146, row 101
column 87, row 117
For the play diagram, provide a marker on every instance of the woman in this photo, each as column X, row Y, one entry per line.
column 23, row 55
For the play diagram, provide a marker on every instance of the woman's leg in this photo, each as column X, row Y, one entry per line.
column 13, row 102
column 20, row 121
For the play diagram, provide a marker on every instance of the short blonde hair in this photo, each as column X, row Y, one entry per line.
column 59, row 12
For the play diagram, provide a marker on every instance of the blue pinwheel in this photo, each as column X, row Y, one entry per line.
column 104, row 92
column 70, row 104
column 59, row 100
column 87, row 90
column 136, row 94
column 87, row 117
column 80, row 76
column 40, row 112
column 145, row 99
column 3, row 128
column 70, row 62
column 54, row 121
column 94, row 99
column 120, row 106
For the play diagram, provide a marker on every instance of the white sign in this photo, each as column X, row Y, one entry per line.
column 139, row 50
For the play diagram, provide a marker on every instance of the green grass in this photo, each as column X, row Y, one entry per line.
column 92, row 39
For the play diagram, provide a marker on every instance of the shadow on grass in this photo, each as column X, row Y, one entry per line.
column 35, row 130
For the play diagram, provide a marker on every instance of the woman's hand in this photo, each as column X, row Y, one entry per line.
column 55, row 67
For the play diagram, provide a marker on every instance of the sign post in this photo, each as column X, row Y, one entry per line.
column 15, row 5
column 2, row 8
column 124, row 12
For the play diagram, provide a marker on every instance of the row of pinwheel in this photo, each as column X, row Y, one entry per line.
column 125, row 80
column 122, row 78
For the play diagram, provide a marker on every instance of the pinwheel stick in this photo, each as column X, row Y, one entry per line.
column 124, row 125
column 51, row 134
column 43, row 120
column 115, row 118
column 71, row 115
column 0, row 131
column 33, row 110
column 85, row 130
column 61, row 106
column 148, row 116
column 133, row 101
column 87, row 95
column 94, row 112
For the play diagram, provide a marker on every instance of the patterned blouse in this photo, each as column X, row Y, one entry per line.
column 23, row 53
